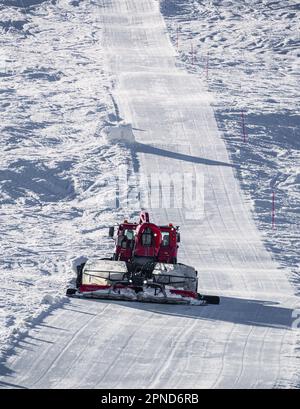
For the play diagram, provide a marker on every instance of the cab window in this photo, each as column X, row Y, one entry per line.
column 129, row 234
column 165, row 239
column 147, row 238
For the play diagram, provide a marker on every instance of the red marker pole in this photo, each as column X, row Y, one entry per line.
column 273, row 210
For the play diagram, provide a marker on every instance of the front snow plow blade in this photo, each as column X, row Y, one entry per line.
column 158, row 283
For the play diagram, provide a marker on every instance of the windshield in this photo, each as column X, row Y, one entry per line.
column 147, row 237
column 165, row 238
column 129, row 234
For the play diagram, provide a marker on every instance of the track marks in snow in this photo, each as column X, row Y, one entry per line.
column 69, row 345
column 139, row 345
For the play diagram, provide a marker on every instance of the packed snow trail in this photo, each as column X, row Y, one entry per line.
column 245, row 342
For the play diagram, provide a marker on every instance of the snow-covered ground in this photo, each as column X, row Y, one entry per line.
column 249, row 54
column 55, row 97
column 70, row 69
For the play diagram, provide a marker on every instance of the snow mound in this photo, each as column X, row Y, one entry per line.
column 119, row 133
column 76, row 262
column 50, row 299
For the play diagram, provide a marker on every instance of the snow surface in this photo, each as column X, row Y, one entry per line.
column 84, row 67
column 55, row 197
column 248, row 52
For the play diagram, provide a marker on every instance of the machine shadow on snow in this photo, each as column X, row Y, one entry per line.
column 257, row 313
column 235, row 310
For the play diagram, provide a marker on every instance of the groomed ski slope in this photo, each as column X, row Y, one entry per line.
column 247, row 341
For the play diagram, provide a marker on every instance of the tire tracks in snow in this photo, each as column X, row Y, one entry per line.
column 67, row 345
